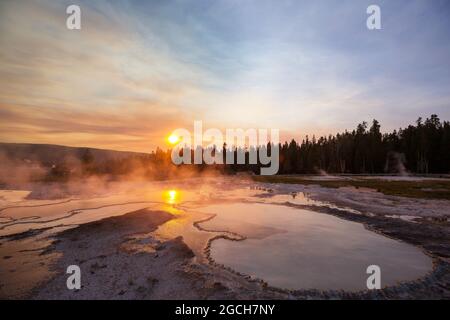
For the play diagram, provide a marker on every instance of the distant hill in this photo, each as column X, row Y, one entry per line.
column 55, row 154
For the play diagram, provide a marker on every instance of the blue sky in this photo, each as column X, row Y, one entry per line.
column 139, row 69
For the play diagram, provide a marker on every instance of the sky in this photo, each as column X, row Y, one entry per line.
column 139, row 69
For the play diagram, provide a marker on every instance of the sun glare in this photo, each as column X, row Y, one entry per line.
column 171, row 196
column 173, row 139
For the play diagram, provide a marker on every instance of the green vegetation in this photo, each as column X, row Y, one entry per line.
column 427, row 189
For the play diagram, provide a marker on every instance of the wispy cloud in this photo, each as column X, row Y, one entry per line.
column 139, row 69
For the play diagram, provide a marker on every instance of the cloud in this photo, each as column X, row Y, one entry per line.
column 139, row 69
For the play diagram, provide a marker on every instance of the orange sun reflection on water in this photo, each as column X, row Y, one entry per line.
column 171, row 196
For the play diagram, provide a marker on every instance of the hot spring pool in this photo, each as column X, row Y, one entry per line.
column 302, row 249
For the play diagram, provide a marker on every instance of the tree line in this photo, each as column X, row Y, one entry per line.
column 420, row 148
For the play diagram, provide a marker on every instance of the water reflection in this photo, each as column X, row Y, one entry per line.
column 302, row 249
column 304, row 199
column 286, row 246
column 171, row 196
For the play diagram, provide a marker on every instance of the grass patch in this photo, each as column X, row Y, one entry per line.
column 425, row 189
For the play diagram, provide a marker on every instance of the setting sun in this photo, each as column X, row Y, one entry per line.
column 173, row 139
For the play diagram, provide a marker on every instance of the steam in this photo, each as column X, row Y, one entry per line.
column 395, row 163
column 19, row 171
column 71, row 177
column 322, row 172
